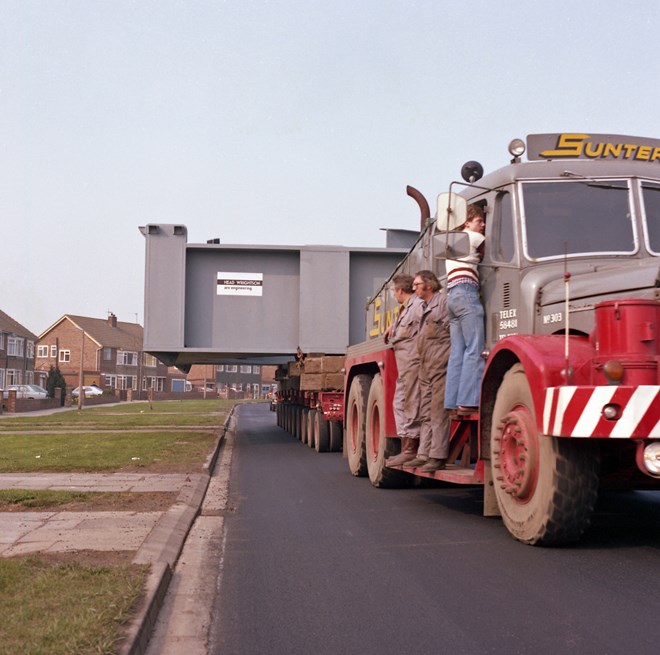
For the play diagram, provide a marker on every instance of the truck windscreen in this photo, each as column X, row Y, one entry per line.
column 577, row 217
column 651, row 198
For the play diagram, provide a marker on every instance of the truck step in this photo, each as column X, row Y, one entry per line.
column 453, row 473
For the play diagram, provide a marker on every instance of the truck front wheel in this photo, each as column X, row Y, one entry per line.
column 377, row 445
column 546, row 487
column 356, row 414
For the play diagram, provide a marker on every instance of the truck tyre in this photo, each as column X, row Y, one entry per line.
column 336, row 436
column 295, row 422
column 311, row 417
column 546, row 487
column 310, row 424
column 377, row 446
column 303, row 424
column 321, row 433
column 356, row 416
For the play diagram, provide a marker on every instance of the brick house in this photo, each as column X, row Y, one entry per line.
column 17, row 350
column 111, row 353
column 234, row 380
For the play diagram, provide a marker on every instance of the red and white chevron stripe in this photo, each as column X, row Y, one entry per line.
column 577, row 412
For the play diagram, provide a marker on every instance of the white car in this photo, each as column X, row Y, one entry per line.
column 90, row 391
column 25, row 391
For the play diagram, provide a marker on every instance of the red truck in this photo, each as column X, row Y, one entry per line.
column 570, row 397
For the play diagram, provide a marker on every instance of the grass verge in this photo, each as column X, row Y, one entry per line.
column 58, row 609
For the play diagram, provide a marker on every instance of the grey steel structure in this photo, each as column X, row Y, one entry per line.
column 205, row 303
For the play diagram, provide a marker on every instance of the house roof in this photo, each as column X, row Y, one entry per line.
column 8, row 324
column 126, row 336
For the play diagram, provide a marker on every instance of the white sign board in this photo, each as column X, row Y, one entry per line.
column 240, row 284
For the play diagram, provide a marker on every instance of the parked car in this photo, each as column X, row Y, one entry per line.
column 89, row 391
column 25, row 391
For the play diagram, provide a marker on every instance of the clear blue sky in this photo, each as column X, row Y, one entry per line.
column 284, row 122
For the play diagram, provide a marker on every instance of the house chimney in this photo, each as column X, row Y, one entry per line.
column 112, row 320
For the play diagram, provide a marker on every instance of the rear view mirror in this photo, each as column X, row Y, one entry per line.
column 451, row 212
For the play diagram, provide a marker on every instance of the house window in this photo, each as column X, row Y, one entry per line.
column 53, row 351
column 65, row 355
column 2, row 341
column 256, row 369
column 13, row 376
column 150, row 360
column 107, row 354
column 42, row 351
column 127, row 382
column 157, row 384
column 127, row 358
column 230, row 368
column 220, row 368
column 2, row 378
column 111, row 381
column 246, row 369
column 15, row 346
column 30, row 351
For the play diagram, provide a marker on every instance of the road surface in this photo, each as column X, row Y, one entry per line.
column 318, row 562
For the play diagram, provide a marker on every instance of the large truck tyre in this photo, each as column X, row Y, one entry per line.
column 311, row 417
column 336, row 436
column 546, row 487
column 321, row 433
column 303, row 424
column 310, row 424
column 356, row 416
column 377, row 446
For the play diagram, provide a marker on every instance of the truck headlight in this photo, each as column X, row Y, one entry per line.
column 652, row 458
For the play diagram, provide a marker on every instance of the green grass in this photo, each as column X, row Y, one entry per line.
column 38, row 498
column 61, row 609
column 102, row 451
column 83, row 440
column 128, row 415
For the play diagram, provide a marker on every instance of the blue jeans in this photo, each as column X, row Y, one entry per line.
column 466, row 329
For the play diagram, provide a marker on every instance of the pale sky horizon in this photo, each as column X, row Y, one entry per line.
column 283, row 122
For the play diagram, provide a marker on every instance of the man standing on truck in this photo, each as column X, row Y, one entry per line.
column 403, row 337
column 433, row 347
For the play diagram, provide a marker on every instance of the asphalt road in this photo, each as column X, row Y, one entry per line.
column 316, row 561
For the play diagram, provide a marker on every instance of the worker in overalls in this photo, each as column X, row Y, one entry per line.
column 433, row 348
column 402, row 334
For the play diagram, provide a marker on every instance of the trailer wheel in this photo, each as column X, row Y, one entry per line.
column 378, row 448
column 303, row 424
column 546, row 487
column 321, row 433
column 310, row 424
column 355, row 424
column 295, row 425
column 336, row 436
column 311, row 417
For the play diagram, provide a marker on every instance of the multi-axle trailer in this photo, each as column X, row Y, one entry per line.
column 570, row 397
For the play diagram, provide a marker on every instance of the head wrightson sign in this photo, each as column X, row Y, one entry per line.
column 592, row 146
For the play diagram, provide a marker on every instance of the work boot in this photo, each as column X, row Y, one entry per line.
column 408, row 451
column 419, row 460
column 433, row 464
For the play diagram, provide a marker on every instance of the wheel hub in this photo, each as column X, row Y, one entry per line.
column 516, row 454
